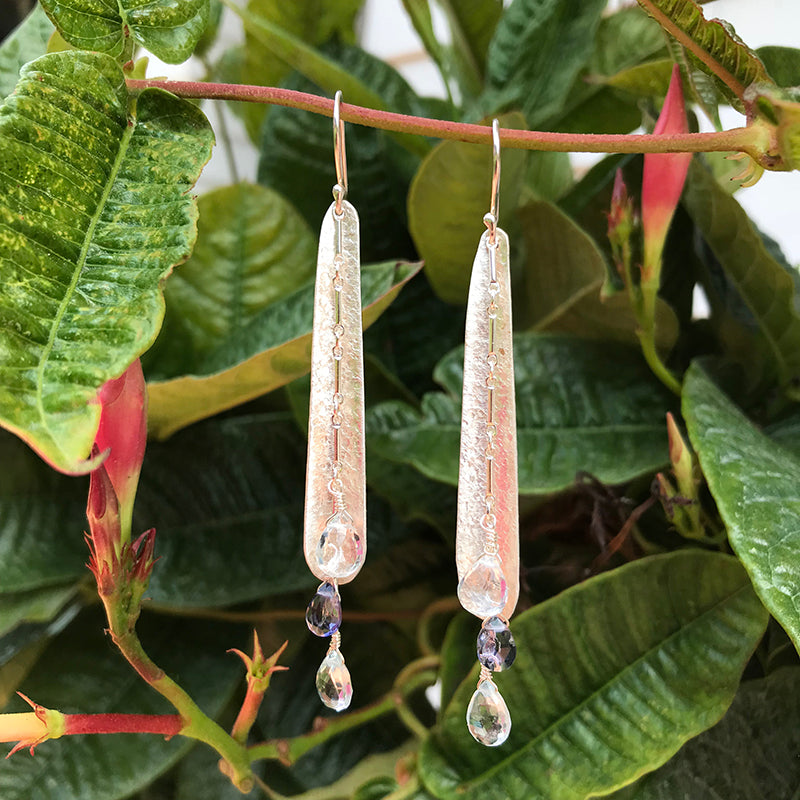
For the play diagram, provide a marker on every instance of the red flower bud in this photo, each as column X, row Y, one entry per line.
column 664, row 176
column 123, row 432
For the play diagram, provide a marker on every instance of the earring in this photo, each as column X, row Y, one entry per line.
column 335, row 541
column 487, row 526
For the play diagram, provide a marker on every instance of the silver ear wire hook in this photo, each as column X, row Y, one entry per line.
column 490, row 219
column 339, row 155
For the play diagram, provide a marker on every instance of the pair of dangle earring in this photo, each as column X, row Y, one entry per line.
column 487, row 525
column 334, row 541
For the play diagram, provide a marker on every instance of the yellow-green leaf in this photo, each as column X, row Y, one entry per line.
column 271, row 351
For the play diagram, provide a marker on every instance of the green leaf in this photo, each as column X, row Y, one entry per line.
column 167, row 29
column 37, row 605
column 411, row 495
column 42, row 518
column 313, row 21
column 95, row 211
column 750, row 755
column 252, row 249
column 296, row 158
column 563, row 281
column 269, row 352
column 230, row 528
column 473, row 23
column 765, row 286
column 446, row 202
column 650, row 79
column 573, row 414
column 323, row 70
column 624, row 39
column 715, row 45
column 26, row 42
column 755, row 483
column 81, row 673
column 611, row 678
column 537, row 50
column 782, row 63
column 410, row 341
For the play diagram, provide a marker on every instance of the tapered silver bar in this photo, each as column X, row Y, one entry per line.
column 327, row 443
column 473, row 482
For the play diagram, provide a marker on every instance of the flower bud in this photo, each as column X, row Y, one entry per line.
column 663, row 180
column 123, row 433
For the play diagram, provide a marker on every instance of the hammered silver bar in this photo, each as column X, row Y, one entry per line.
column 472, row 482
column 319, row 504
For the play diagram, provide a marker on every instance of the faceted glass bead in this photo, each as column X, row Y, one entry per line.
column 324, row 612
column 496, row 646
column 333, row 682
column 488, row 719
column 483, row 591
column 340, row 550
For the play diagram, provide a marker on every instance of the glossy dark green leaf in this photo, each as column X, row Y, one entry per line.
column 96, row 210
column 755, row 484
column 230, row 527
column 411, row 494
column 573, row 414
column 410, row 341
column 273, row 349
column 611, row 678
column 537, row 50
column 26, row 42
column 782, row 63
column 81, row 673
column 760, row 280
column 750, row 755
column 252, row 249
column 167, row 29
column 459, row 652
column 42, row 520
column 446, row 202
column 35, row 605
column 726, row 55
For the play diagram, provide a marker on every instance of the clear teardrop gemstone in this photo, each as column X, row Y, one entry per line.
column 496, row 646
column 324, row 612
column 340, row 550
column 333, row 682
column 483, row 591
column 488, row 719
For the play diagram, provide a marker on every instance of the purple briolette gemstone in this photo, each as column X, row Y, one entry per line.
column 324, row 612
column 496, row 646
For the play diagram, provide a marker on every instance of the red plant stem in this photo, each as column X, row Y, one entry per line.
column 739, row 139
column 164, row 724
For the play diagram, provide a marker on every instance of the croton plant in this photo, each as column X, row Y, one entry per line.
column 659, row 443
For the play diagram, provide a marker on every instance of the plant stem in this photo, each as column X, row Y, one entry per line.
column 196, row 725
column 748, row 139
column 414, row 676
column 165, row 724
column 445, row 605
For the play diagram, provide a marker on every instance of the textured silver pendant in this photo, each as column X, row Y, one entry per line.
column 487, row 538
column 335, row 540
